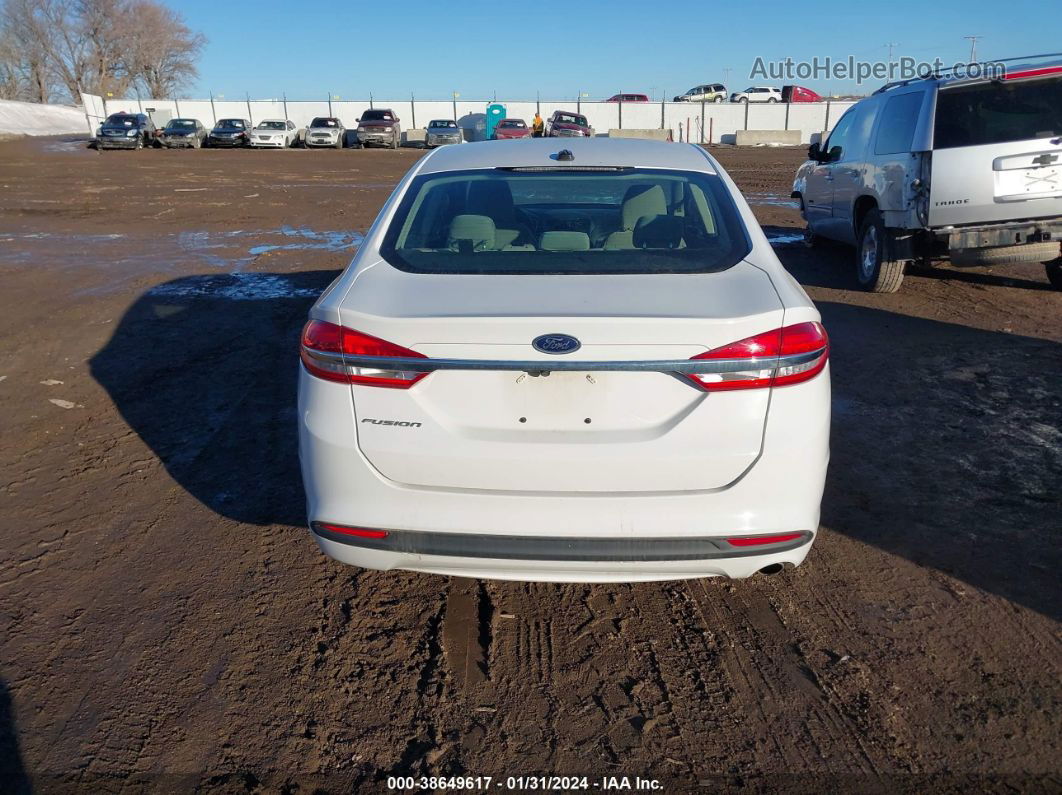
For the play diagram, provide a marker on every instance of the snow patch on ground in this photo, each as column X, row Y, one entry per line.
column 28, row 118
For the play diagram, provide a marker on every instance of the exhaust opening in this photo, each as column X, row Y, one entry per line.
column 774, row 568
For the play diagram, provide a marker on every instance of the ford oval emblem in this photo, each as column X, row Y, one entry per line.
column 556, row 343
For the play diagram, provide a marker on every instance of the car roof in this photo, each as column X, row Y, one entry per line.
column 530, row 152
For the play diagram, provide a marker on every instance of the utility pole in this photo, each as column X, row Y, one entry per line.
column 890, row 45
column 726, row 75
column 973, row 46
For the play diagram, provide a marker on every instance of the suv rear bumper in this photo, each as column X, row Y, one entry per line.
column 1010, row 233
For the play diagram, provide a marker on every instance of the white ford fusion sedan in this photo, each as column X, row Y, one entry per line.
column 573, row 360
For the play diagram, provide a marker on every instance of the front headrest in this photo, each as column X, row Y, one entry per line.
column 642, row 200
column 475, row 232
column 658, row 231
column 564, row 241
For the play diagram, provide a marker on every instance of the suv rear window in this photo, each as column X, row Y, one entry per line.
column 566, row 222
column 998, row 112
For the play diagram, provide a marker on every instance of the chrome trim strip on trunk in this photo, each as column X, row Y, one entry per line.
column 559, row 365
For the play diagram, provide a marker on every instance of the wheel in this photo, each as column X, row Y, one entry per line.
column 339, row 140
column 140, row 142
column 197, row 143
column 1054, row 272
column 743, row 100
column 717, row 99
column 772, row 99
column 1005, row 255
column 395, row 137
column 875, row 273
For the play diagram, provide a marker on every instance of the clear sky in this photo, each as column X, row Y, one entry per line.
column 517, row 48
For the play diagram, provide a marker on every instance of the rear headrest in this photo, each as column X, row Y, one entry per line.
column 658, row 231
column 642, row 200
column 474, row 232
column 564, row 241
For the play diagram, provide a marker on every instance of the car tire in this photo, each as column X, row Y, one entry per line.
column 1054, row 272
column 717, row 99
column 339, row 141
column 743, row 100
column 1004, row 255
column 875, row 273
column 395, row 137
column 139, row 142
column 772, row 99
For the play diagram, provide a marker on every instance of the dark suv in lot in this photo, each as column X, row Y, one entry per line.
column 126, row 131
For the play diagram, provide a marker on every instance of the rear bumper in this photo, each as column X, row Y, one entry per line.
column 1010, row 233
column 645, row 536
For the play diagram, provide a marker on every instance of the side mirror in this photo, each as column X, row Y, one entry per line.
column 834, row 155
column 815, row 153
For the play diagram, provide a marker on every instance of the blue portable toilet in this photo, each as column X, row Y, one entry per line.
column 495, row 113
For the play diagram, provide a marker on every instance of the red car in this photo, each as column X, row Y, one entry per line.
column 799, row 94
column 511, row 128
column 628, row 98
column 565, row 124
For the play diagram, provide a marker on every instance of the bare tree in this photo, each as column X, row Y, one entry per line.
column 25, row 54
column 164, row 50
column 102, row 47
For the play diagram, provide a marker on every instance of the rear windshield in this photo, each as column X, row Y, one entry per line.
column 998, row 112
column 557, row 222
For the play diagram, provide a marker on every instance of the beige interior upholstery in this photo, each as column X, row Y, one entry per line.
column 639, row 202
column 564, row 241
column 475, row 232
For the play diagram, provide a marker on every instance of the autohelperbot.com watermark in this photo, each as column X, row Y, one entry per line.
column 852, row 69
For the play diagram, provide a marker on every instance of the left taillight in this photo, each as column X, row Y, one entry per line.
column 326, row 348
column 781, row 357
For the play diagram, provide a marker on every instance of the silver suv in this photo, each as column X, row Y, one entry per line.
column 942, row 167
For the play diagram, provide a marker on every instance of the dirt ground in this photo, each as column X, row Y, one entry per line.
column 167, row 622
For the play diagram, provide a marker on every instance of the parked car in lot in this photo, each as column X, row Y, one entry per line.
column 942, row 167
column 442, row 131
column 183, row 133
column 757, row 94
column 325, row 131
column 380, row 127
column 628, row 98
column 565, row 124
column 275, row 134
column 799, row 94
column 125, row 131
column 709, row 92
column 486, row 391
column 230, row 132
column 508, row 129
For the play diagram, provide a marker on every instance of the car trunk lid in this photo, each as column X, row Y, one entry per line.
column 546, row 430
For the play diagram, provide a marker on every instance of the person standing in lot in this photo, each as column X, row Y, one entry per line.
column 537, row 126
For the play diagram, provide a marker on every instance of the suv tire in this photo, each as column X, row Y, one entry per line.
column 874, row 272
column 1054, row 272
column 1005, row 255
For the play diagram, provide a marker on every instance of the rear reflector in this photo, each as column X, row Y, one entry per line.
column 360, row 532
column 758, row 540
column 789, row 355
column 325, row 344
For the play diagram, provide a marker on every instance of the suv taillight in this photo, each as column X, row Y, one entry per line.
column 790, row 355
column 325, row 344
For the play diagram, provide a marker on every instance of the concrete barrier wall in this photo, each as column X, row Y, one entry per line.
column 687, row 121
column 653, row 135
column 762, row 137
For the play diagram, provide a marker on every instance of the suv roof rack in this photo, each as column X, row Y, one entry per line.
column 945, row 74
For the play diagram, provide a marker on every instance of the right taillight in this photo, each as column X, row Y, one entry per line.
column 326, row 348
column 780, row 357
